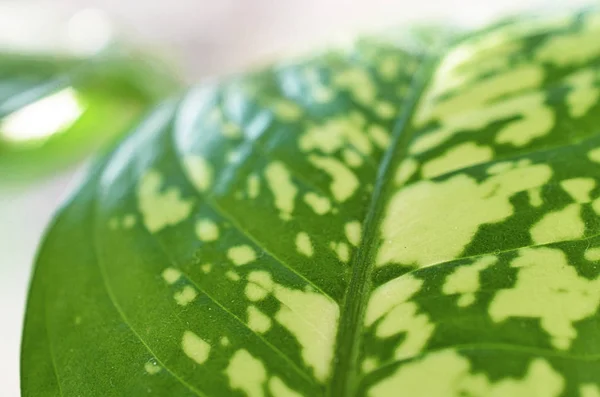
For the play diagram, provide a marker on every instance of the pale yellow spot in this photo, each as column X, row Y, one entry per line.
column 206, row 268
column 579, row 188
column 319, row 204
column 185, row 296
column 583, row 95
column 380, row 136
column 405, row 171
column 280, row 182
column 353, row 232
column 594, row 155
column 344, row 183
column 369, row 364
column 534, row 123
column 151, row 367
column 352, row 158
column 500, row 167
column 231, row 130
column 257, row 320
column 571, row 49
column 465, row 280
column 195, row 347
column 385, row 110
column 389, row 68
column 359, row 83
column 565, row 224
column 313, row 319
column 535, row 197
column 262, row 278
column 207, row 230
column 225, row 341
column 304, row 245
column 343, row 252
column 160, row 209
column 199, row 171
column 253, row 186
column 589, row 390
column 336, row 134
column 550, row 289
column 246, row 373
column 241, row 255
column 454, row 377
column 592, row 254
column 390, row 295
column 429, row 222
column 279, row 389
column 287, row 110
column 129, row 221
column 171, row 275
column 233, row 276
column 458, row 157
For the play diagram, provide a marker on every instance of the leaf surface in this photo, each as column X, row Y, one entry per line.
column 404, row 217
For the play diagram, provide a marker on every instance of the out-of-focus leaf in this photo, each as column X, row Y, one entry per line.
column 398, row 219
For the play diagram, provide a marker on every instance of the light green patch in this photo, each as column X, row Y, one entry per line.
column 579, row 188
column 313, row 319
column 322, row 94
column 77, row 320
column 343, row 181
column 206, row 268
column 390, row 295
column 589, row 390
column 260, row 284
column 287, row 110
column 129, row 221
column 570, row 49
column 151, row 367
column 535, row 197
column 550, row 289
column 246, row 373
column 200, row 172
column 195, row 347
column 458, row 157
column 352, row 158
column 592, row 254
column 584, row 95
column 359, row 83
column 257, row 320
column 342, row 251
column 319, row 204
column 241, row 255
column 369, row 364
column 389, row 67
column 225, row 341
column 561, row 225
column 413, row 232
column 233, row 276
column 113, row 223
column 279, row 389
column 594, row 155
column 171, row 275
column 280, row 182
column 453, row 377
column 379, row 135
column 231, row 130
column 353, row 232
column 253, row 183
column 334, row 135
column 207, row 230
column 304, row 245
column 185, row 296
column 385, row 110
column 498, row 168
column 465, row 280
column 405, row 171
column 160, row 209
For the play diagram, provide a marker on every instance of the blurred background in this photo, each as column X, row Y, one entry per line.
column 50, row 49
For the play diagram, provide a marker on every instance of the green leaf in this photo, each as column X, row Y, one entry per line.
column 55, row 109
column 413, row 216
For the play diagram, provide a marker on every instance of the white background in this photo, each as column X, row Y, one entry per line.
column 206, row 37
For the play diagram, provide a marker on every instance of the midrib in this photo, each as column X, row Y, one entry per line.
column 344, row 377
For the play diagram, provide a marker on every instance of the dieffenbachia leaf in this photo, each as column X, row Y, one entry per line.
column 399, row 219
column 54, row 109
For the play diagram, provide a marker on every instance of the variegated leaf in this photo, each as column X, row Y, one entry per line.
column 405, row 218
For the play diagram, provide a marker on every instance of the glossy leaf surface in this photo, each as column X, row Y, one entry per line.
column 405, row 218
